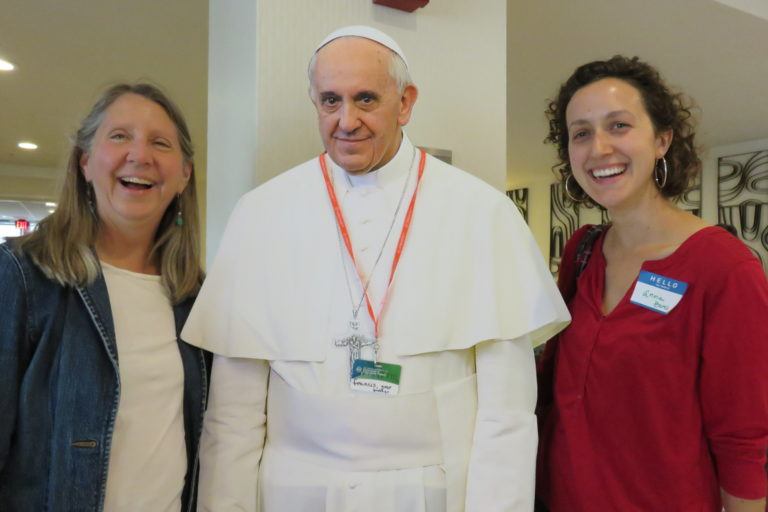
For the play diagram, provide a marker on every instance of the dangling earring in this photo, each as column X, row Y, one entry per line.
column 567, row 190
column 179, row 217
column 90, row 197
column 660, row 182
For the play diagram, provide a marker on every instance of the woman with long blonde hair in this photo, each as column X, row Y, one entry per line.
column 102, row 402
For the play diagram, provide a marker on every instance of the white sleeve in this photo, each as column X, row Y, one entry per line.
column 233, row 435
column 502, row 466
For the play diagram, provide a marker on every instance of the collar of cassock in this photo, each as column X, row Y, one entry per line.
column 392, row 172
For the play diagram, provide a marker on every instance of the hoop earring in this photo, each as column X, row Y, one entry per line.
column 179, row 217
column 660, row 182
column 567, row 190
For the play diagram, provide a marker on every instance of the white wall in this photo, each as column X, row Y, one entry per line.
column 260, row 119
column 232, row 95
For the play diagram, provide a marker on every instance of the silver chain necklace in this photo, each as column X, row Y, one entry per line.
column 356, row 341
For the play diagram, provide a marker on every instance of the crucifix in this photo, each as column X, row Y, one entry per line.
column 355, row 342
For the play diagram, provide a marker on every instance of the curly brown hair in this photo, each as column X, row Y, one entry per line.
column 668, row 110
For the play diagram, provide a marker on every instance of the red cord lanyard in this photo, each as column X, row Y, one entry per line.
column 348, row 243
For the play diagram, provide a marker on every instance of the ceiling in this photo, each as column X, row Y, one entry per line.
column 713, row 52
column 32, row 211
column 67, row 52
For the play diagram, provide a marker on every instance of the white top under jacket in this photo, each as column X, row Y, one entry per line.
column 148, row 452
column 283, row 431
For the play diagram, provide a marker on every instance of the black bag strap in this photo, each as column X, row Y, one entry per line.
column 584, row 249
column 571, row 269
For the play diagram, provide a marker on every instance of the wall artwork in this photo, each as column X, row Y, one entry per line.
column 563, row 221
column 691, row 199
column 742, row 199
column 566, row 216
column 519, row 197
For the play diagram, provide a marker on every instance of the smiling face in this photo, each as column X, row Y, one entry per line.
column 359, row 108
column 613, row 145
column 135, row 164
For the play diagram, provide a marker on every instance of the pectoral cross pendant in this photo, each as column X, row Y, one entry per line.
column 355, row 342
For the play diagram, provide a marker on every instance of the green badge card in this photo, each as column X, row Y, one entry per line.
column 377, row 378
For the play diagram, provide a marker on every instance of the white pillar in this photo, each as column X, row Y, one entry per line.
column 232, row 98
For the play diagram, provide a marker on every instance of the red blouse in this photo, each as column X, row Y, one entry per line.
column 656, row 412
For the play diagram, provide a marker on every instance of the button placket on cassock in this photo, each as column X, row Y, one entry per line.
column 368, row 206
column 368, row 216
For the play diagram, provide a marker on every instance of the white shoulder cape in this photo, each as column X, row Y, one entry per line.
column 470, row 272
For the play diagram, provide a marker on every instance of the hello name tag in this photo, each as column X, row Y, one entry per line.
column 376, row 378
column 657, row 293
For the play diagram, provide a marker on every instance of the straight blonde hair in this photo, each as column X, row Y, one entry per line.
column 63, row 244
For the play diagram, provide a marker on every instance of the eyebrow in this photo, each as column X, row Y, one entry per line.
column 613, row 113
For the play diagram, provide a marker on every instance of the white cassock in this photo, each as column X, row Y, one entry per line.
column 283, row 430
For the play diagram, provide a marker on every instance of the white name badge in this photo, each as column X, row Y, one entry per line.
column 657, row 293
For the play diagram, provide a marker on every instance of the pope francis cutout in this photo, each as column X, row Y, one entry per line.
column 372, row 312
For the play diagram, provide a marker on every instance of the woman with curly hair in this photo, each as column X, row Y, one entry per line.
column 660, row 395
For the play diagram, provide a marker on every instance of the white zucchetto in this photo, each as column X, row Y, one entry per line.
column 367, row 33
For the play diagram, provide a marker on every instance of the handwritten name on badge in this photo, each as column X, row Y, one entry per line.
column 376, row 378
column 657, row 293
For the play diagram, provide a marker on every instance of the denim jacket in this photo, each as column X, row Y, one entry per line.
column 60, row 388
